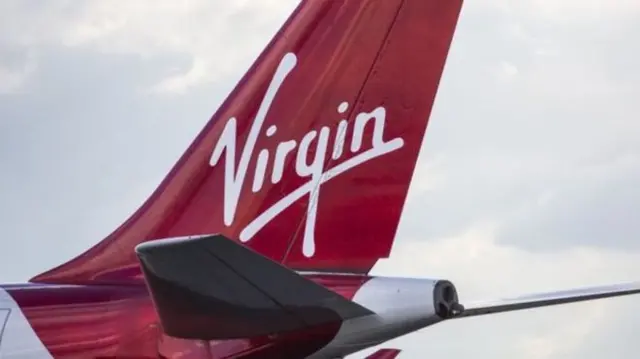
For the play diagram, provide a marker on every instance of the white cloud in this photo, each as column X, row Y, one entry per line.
column 12, row 79
column 482, row 269
column 181, row 82
column 507, row 270
column 197, row 29
column 585, row 9
column 568, row 11
column 508, row 70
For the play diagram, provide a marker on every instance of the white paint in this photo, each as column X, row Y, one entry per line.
column 19, row 340
column 338, row 145
column 313, row 169
column 341, row 132
column 282, row 151
column 233, row 180
column 402, row 306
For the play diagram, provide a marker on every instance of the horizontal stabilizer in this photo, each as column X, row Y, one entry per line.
column 547, row 299
column 210, row 287
column 385, row 354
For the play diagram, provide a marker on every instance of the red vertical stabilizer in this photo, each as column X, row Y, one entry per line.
column 309, row 159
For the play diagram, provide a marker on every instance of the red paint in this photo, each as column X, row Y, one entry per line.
column 120, row 322
column 370, row 53
column 384, row 354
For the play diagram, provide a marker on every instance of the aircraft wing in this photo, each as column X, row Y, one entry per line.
column 473, row 309
column 210, row 287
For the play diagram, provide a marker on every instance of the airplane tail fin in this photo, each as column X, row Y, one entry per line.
column 208, row 287
column 309, row 159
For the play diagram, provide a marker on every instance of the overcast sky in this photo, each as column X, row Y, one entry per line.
column 527, row 180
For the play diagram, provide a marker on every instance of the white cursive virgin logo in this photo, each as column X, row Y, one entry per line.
column 234, row 178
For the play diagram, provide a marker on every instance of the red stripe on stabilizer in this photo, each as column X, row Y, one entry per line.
column 345, row 285
column 121, row 322
column 351, row 86
column 385, row 354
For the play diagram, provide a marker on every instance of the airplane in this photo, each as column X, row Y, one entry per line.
column 260, row 241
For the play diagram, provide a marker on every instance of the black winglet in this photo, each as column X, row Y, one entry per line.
column 210, row 287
